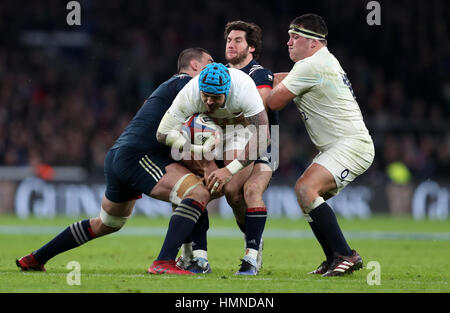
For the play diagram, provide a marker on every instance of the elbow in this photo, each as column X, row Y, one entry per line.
column 277, row 104
column 160, row 137
column 272, row 103
column 274, row 106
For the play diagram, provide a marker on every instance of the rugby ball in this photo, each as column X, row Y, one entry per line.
column 198, row 128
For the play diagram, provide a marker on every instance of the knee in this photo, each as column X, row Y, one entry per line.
column 252, row 192
column 107, row 223
column 200, row 194
column 234, row 196
column 99, row 228
column 302, row 191
column 237, row 203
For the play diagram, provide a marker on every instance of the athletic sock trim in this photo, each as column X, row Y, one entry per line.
column 79, row 233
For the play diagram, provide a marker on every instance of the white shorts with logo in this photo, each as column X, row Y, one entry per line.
column 346, row 159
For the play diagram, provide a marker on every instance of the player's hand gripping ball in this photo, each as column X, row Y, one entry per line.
column 200, row 130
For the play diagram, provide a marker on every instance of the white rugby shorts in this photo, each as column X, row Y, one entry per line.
column 345, row 160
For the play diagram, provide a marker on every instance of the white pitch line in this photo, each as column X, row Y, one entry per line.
column 235, row 233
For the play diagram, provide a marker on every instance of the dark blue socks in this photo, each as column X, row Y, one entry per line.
column 73, row 236
column 323, row 243
column 255, row 221
column 199, row 234
column 181, row 225
column 325, row 224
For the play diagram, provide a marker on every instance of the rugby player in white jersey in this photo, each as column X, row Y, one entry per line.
column 230, row 98
column 322, row 92
column 244, row 193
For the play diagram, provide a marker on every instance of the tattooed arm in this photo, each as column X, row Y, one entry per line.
column 259, row 127
column 259, row 141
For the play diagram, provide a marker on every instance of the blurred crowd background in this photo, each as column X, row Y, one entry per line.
column 67, row 92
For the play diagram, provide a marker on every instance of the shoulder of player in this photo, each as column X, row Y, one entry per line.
column 238, row 76
column 186, row 82
column 260, row 75
column 176, row 82
column 182, row 78
column 305, row 66
column 258, row 69
column 243, row 92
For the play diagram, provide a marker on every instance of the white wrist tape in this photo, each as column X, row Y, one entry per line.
column 234, row 167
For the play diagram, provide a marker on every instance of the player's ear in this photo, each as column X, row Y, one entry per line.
column 195, row 66
column 251, row 49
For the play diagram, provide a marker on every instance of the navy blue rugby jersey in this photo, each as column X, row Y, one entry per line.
column 263, row 78
column 141, row 131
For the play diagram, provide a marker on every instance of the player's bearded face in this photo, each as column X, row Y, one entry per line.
column 212, row 101
column 234, row 56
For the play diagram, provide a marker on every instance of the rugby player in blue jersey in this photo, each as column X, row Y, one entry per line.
column 138, row 164
column 244, row 192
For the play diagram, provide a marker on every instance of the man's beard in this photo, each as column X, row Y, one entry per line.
column 239, row 58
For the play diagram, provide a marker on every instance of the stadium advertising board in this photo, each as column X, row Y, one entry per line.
column 36, row 197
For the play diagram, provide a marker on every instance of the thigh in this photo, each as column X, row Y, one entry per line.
column 118, row 190
column 132, row 172
column 317, row 179
column 344, row 162
column 236, row 184
column 173, row 173
column 260, row 175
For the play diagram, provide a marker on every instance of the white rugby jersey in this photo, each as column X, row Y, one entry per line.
column 325, row 100
column 243, row 100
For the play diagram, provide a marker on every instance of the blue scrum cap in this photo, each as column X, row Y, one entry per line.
column 215, row 79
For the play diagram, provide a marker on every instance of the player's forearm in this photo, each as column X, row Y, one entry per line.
column 259, row 141
column 279, row 97
column 161, row 137
column 264, row 92
column 168, row 133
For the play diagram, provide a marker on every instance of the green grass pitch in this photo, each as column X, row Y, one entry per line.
column 414, row 256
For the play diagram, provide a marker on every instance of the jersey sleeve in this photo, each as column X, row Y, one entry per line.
column 263, row 78
column 185, row 103
column 301, row 78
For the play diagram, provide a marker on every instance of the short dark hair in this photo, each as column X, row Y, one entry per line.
column 253, row 34
column 313, row 23
column 188, row 54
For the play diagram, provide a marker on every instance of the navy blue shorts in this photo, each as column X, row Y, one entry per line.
column 267, row 158
column 130, row 173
